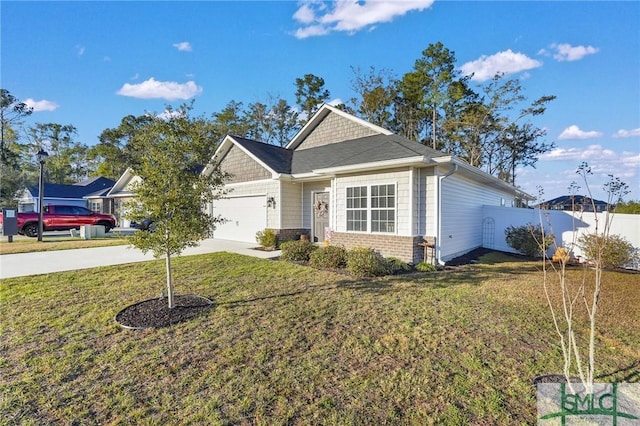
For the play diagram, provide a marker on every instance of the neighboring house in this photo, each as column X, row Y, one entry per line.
column 89, row 193
column 121, row 193
column 356, row 184
column 576, row 203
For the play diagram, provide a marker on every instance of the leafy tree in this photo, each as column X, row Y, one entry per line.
column 376, row 94
column 172, row 191
column 67, row 162
column 12, row 111
column 231, row 121
column 13, row 173
column 310, row 94
column 430, row 95
column 285, row 122
column 120, row 148
column 116, row 149
column 628, row 207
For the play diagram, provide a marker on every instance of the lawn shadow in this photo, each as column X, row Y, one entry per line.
column 249, row 301
column 628, row 374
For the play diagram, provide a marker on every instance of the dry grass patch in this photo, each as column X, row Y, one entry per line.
column 28, row 245
column 287, row 344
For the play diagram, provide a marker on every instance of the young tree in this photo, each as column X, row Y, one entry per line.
column 564, row 296
column 172, row 191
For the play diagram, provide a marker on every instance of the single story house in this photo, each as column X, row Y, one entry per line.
column 578, row 203
column 121, row 193
column 353, row 183
column 90, row 193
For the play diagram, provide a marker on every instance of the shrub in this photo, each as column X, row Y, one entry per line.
column 426, row 267
column 395, row 265
column 266, row 238
column 527, row 239
column 297, row 251
column 329, row 257
column 365, row 262
column 615, row 250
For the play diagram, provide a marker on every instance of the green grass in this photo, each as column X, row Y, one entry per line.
column 22, row 244
column 287, row 344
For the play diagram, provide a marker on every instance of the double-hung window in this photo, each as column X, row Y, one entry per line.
column 371, row 208
column 383, row 208
column 357, row 208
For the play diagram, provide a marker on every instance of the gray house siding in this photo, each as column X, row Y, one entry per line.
column 335, row 128
column 242, row 168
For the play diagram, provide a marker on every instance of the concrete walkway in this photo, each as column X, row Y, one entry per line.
column 23, row 264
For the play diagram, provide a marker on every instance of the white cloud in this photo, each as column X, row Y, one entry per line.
column 80, row 50
column 507, row 62
column 316, row 18
column 592, row 152
column 566, row 52
column 42, row 105
column 574, row 132
column 183, row 46
column 153, row 89
column 622, row 133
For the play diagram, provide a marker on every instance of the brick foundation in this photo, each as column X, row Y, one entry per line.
column 405, row 248
column 291, row 234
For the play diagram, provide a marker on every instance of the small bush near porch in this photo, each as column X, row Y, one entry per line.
column 288, row 344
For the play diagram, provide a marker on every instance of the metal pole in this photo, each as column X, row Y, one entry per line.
column 40, row 201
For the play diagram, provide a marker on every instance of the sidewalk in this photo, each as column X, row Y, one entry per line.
column 23, row 264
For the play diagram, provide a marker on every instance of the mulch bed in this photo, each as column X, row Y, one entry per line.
column 155, row 313
column 470, row 257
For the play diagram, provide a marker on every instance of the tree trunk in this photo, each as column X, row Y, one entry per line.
column 169, row 282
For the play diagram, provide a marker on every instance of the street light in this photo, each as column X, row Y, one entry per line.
column 42, row 157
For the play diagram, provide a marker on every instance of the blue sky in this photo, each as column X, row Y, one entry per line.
column 91, row 63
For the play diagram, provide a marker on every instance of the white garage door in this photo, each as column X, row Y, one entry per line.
column 244, row 217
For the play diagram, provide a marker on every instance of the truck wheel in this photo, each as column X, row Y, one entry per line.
column 107, row 226
column 30, row 229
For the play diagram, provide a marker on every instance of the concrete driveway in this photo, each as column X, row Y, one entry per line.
column 23, row 264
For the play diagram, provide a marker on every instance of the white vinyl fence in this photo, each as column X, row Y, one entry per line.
column 565, row 225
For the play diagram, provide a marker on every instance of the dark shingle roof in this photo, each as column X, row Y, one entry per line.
column 363, row 150
column 77, row 190
column 277, row 158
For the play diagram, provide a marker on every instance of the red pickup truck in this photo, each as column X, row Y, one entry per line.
column 60, row 218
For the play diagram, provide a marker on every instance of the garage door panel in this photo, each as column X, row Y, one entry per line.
column 244, row 216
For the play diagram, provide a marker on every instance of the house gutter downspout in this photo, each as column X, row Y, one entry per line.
column 439, row 218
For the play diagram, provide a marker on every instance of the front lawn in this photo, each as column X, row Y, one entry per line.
column 288, row 344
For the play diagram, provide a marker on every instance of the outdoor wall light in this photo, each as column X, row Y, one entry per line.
column 271, row 202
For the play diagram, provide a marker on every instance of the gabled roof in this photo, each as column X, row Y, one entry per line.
column 75, row 191
column 121, row 184
column 317, row 118
column 276, row 158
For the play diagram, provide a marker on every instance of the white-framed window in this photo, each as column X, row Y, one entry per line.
column 383, row 208
column 357, row 208
column 371, row 208
column 95, row 206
